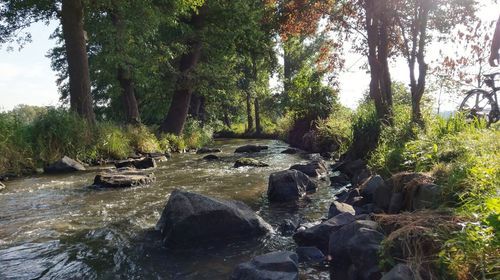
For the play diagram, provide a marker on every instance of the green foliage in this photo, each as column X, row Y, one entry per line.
column 112, row 142
column 336, row 130
column 172, row 142
column 195, row 136
column 142, row 139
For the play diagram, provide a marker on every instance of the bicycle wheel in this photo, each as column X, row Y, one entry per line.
column 478, row 103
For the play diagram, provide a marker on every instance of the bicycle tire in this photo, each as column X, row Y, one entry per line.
column 486, row 95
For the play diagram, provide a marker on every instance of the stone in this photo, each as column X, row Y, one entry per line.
column 425, row 196
column 290, row 151
column 396, row 203
column 339, row 208
column 251, row 149
column 399, row 272
column 370, row 186
column 382, row 196
column 282, row 265
column 211, row 157
column 339, row 181
column 310, row 255
column 315, row 168
column 326, row 155
column 339, row 245
column 319, row 235
column 350, row 168
column 206, row 150
column 363, row 250
column 249, row 162
column 158, row 157
column 64, row 165
column 289, row 185
column 287, row 227
column 191, row 219
column 143, row 163
column 123, row 178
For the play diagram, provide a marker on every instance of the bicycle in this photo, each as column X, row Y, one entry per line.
column 479, row 103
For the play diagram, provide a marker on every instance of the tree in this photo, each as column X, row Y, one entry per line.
column 17, row 15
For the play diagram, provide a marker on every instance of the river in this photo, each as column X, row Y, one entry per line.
column 55, row 227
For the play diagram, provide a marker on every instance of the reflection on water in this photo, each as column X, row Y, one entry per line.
column 53, row 227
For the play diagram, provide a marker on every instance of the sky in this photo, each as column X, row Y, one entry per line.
column 26, row 76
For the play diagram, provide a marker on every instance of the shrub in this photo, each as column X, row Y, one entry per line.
column 195, row 135
column 336, row 130
column 112, row 142
column 142, row 140
column 171, row 142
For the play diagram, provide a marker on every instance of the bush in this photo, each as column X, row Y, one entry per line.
column 142, row 140
column 112, row 142
column 195, row 135
column 336, row 130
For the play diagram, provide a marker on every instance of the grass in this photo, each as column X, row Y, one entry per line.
column 40, row 137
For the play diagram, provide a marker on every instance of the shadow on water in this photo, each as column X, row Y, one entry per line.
column 53, row 227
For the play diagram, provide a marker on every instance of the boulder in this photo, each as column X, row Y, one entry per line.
column 319, row 235
column 424, row 196
column 382, row 196
column 369, row 187
column 64, row 165
column 123, row 178
column 350, row 168
column 143, row 163
column 206, row 150
column 363, row 250
column 158, row 157
column 250, row 149
column 249, row 162
column 315, row 168
column 337, row 208
column 281, row 265
column 211, row 157
column 399, row 272
column 310, row 255
column 326, row 155
column 289, row 185
column 339, row 245
column 339, row 181
column 287, row 227
column 290, row 151
column 191, row 219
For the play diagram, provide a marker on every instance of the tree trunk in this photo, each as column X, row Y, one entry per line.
column 418, row 87
column 195, row 106
column 249, row 112
column 258, row 128
column 378, row 40
column 226, row 120
column 76, row 55
column 178, row 111
column 124, row 74
column 129, row 101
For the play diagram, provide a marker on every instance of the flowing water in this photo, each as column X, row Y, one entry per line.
column 54, row 227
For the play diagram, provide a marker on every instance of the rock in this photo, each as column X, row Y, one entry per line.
column 143, row 163
column 358, row 201
column 424, row 196
column 399, row 272
column 337, row 208
column 319, row 235
column 363, row 250
column 211, row 157
column 123, row 178
column 168, row 155
column 191, row 219
column 339, row 181
column 310, row 255
column 249, row 162
column 315, row 168
column 250, row 149
column 289, row 185
column 370, row 186
column 360, row 177
column 2, row 186
column 281, row 265
column 206, row 150
column 339, row 245
column 290, row 151
column 158, row 157
column 326, row 155
column 350, row 168
column 396, row 203
column 382, row 196
column 64, row 165
column 349, row 196
column 287, row 227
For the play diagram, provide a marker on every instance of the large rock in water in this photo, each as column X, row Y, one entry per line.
column 191, row 219
column 123, row 178
column 289, row 185
column 250, row 149
column 249, row 162
column 315, row 168
column 64, row 165
column 272, row 266
column 143, row 163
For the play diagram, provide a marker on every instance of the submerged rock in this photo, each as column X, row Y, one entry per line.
column 64, row 165
column 290, row 151
column 123, row 178
column 249, row 162
column 191, row 219
column 315, row 168
column 251, row 149
column 289, row 185
column 281, row 265
column 206, row 150
column 144, row 163
column 211, row 157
